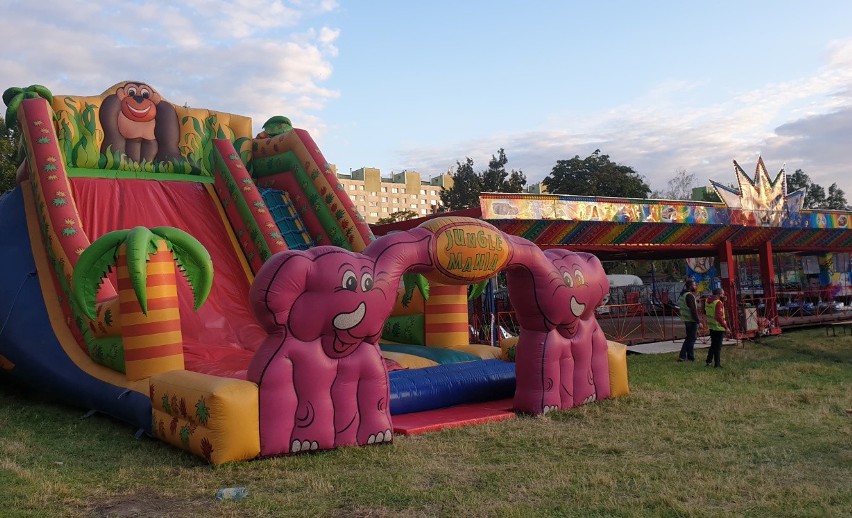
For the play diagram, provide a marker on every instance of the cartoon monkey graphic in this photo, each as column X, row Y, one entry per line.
column 139, row 124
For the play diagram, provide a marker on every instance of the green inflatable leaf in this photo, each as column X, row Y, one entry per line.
column 411, row 281
column 423, row 286
column 14, row 96
column 141, row 244
column 193, row 260
column 477, row 289
column 277, row 125
column 10, row 94
column 92, row 266
column 42, row 92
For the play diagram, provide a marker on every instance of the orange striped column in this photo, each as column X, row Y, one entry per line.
column 152, row 343
column 446, row 315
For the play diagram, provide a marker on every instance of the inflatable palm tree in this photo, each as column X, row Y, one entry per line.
column 13, row 97
column 147, row 291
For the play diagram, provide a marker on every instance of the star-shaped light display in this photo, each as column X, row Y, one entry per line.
column 766, row 199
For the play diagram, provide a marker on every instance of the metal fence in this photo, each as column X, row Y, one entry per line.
column 641, row 314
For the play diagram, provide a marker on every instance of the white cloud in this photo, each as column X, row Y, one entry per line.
column 259, row 58
column 803, row 122
column 270, row 57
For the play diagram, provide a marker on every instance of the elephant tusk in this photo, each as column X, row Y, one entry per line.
column 346, row 321
column 576, row 307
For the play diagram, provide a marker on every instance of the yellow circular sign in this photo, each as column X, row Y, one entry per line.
column 466, row 250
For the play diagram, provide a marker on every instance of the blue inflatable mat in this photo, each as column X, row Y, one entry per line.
column 416, row 390
column 436, row 354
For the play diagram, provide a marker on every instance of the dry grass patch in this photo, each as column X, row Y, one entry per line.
column 768, row 435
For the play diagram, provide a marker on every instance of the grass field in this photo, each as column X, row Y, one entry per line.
column 768, row 435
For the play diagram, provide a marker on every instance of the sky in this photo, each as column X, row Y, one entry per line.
column 660, row 86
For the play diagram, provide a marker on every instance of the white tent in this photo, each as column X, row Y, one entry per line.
column 619, row 280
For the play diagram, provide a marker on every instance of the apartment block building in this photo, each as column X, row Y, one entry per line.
column 378, row 197
column 536, row 188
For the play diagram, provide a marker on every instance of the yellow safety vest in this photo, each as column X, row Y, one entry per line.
column 686, row 313
column 710, row 311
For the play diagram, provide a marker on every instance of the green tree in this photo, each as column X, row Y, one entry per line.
column 815, row 195
column 595, row 175
column 678, row 188
column 468, row 184
column 706, row 194
column 465, row 190
column 836, row 198
column 497, row 179
column 400, row 215
column 9, row 142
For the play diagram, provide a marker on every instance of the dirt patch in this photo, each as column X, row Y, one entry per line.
column 148, row 505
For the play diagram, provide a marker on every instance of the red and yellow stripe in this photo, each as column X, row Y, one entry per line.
column 152, row 342
column 446, row 316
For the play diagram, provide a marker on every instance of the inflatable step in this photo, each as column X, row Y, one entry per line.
column 450, row 384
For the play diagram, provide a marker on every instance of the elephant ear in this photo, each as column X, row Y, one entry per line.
column 281, row 280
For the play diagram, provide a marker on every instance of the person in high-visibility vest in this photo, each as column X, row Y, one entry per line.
column 689, row 316
column 714, row 308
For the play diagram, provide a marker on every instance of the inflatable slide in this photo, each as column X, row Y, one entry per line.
column 221, row 293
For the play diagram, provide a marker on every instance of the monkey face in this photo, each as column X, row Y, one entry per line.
column 138, row 102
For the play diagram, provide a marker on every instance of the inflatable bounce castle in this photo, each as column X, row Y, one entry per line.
column 221, row 293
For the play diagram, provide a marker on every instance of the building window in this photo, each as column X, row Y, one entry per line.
column 384, row 199
column 413, row 205
column 374, row 214
column 384, row 209
column 394, row 190
column 384, row 189
column 424, row 211
column 351, row 186
column 434, row 202
column 422, row 191
column 360, row 187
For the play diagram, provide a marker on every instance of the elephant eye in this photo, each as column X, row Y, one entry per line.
column 366, row 282
column 569, row 281
column 131, row 91
column 350, row 281
column 581, row 279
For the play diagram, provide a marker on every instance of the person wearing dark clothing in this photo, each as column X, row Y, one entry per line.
column 689, row 316
column 714, row 309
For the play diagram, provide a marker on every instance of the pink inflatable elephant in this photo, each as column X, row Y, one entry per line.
column 321, row 376
column 589, row 285
column 540, row 295
column 561, row 357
